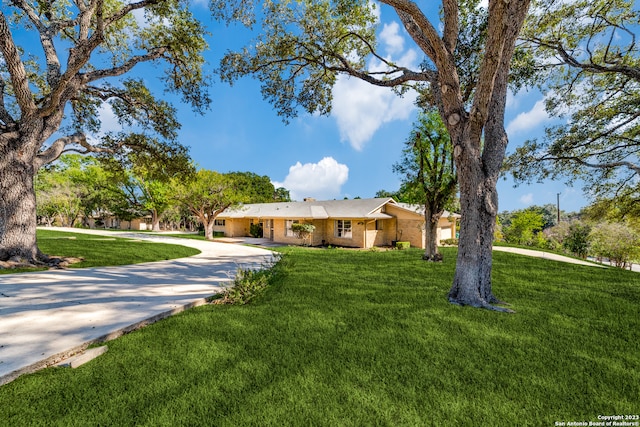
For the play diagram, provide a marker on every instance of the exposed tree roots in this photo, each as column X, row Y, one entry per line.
column 433, row 258
column 483, row 304
column 43, row 261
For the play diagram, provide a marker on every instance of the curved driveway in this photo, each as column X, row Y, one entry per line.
column 49, row 315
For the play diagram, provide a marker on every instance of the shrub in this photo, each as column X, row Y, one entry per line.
column 449, row 242
column 617, row 242
column 524, row 225
column 249, row 284
column 557, row 234
column 255, row 230
column 403, row 245
column 303, row 231
column 577, row 240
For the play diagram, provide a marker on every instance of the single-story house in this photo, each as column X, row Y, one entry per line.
column 361, row 223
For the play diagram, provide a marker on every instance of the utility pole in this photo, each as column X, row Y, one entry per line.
column 558, row 195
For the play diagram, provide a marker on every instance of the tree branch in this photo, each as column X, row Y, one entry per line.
column 17, row 72
column 57, row 148
column 124, row 68
column 451, row 24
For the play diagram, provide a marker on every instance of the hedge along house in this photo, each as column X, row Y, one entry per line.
column 360, row 223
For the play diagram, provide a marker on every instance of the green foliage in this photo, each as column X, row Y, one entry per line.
column 250, row 284
column 75, row 187
column 302, row 230
column 403, row 245
column 256, row 230
column 251, row 188
column 426, row 168
column 449, row 242
column 247, row 285
column 281, row 194
column 300, row 50
column 616, row 242
column 577, row 239
column 588, row 66
column 523, row 228
column 208, row 193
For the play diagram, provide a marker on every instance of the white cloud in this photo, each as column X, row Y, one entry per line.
column 108, row 120
column 360, row 108
column 322, row 180
column 527, row 199
column 393, row 41
column 529, row 120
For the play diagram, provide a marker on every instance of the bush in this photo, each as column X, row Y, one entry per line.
column 523, row 228
column 616, row 242
column 249, row 284
column 403, row 245
column 302, row 231
column 255, row 230
column 449, row 242
column 577, row 240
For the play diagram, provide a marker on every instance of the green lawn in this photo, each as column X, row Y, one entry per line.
column 360, row 338
column 104, row 250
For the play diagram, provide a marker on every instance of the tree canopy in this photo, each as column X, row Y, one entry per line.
column 76, row 59
column 588, row 65
column 207, row 193
column 428, row 174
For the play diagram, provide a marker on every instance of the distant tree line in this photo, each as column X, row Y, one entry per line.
column 600, row 231
column 77, row 191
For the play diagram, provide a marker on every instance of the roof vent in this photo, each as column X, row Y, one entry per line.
column 309, row 199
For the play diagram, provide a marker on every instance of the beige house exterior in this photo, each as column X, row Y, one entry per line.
column 359, row 223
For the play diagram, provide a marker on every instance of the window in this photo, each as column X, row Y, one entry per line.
column 288, row 232
column 343, row 228
column 379, row 224
column 220, row 222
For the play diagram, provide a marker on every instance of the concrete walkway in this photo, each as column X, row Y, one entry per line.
column 555, row 257
column 545, row 255
column 47, row 316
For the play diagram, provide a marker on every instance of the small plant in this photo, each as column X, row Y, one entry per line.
column 255, row 230
column 449, row 242
column 248, row 284
column 303, row 231
column 403, row 245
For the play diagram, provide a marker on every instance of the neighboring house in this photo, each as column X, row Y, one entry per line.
column 114, row 222
column 361, row 223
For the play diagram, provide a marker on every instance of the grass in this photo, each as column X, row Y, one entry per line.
column 359, row 338
column 100, row 251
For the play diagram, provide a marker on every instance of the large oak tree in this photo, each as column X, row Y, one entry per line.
column 305, row 45
column 60, row 62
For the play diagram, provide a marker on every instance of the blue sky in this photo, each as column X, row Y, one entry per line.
column 349, row 153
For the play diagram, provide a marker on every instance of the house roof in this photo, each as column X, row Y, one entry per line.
column 419, row 209
column 356, row 208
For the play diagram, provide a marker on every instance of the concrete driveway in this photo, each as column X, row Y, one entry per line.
column 47, row 316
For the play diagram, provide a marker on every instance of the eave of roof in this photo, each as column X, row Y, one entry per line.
column 347, row 209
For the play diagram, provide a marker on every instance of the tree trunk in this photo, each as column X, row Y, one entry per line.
column 155, row 220
column 17, row 209
column 431, row 235
column 208, row 230
column 479, row 204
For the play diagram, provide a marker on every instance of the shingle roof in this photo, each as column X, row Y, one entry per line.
column 420, row 210
column 355, row 208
